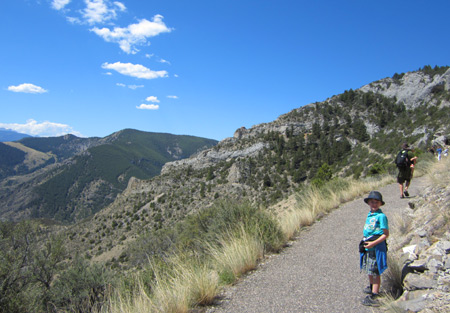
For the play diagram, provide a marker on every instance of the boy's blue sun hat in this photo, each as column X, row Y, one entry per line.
column 374, row 195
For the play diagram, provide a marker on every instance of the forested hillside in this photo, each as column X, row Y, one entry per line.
column 85, row 173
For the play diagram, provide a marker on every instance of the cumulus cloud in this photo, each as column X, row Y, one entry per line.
column 148, row 107
column 100, row 11
column 152, row 99
column 135, row 34
column 172, row 97
column 134, row 70
column 59, row 4
column 44, row 129
column 27, row 88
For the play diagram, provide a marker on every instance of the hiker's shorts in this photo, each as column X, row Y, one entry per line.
column 369, row 264
column 404, row 175
column 401, row 180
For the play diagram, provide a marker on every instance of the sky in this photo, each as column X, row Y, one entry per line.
column 200, row 68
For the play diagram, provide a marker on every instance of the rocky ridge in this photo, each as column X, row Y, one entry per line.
column 412, row 89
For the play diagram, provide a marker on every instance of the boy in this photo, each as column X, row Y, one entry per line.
column 373, row 259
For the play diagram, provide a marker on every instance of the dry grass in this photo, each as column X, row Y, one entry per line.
column 388, row 305
column 438, row 172
column 313, row 202
column 124, row 302
column 393, row 276
column 238, row 253
column 401, row 224
column 186, row 281
column 182, row 284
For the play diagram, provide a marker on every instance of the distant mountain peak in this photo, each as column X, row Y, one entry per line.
column 11, row 135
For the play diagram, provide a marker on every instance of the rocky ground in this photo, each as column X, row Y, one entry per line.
column 424, row 248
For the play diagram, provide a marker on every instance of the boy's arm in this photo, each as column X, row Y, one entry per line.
column 371, row 244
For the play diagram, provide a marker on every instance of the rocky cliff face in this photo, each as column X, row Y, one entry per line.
column 413, row 89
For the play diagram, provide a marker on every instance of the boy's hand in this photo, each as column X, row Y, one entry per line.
column 369, row 244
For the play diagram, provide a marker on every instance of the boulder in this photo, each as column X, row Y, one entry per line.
column 415, row 281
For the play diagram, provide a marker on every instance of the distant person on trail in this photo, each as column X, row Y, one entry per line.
column 405, row 162
column 373, row 247
column 439, row 153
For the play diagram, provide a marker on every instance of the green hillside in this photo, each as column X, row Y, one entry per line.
column 9, row 158
column 90, row 178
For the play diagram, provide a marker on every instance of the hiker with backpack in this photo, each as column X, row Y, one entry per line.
column 373, row 247
column 405, row 162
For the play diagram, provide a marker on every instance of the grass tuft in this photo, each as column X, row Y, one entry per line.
column 237, row 253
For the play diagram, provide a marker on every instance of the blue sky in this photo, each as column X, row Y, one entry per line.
column 202, row 68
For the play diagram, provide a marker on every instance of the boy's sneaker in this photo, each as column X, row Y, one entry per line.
column 406, row 193
column 368, row 290
column 371, row 301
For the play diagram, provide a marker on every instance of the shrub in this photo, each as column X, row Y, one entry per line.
column 80, row 288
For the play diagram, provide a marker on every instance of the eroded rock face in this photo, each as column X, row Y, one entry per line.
column 212, row 156
column 413, row 89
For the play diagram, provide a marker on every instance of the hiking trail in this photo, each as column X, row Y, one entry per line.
column 319, row 272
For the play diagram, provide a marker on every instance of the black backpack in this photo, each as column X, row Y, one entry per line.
column 402, row 160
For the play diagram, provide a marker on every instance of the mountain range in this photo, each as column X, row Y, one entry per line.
column 68, row 178
column 10, row 135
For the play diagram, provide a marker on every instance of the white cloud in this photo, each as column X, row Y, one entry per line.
column 97, row 11
column 148, row 107
column 134, row 87
column 134, row 34
column 148, row 55
column 152, row 99
column 164, row 61
column 134, row 70
column 44, row 129
column 120, row 6
column 27, row 88
column 59, row 4
column 172, row 97
column 74, row 20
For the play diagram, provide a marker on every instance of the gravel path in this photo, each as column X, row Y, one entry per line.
column 320, row 271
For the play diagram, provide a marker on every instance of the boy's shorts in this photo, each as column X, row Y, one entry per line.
column 369, row 264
